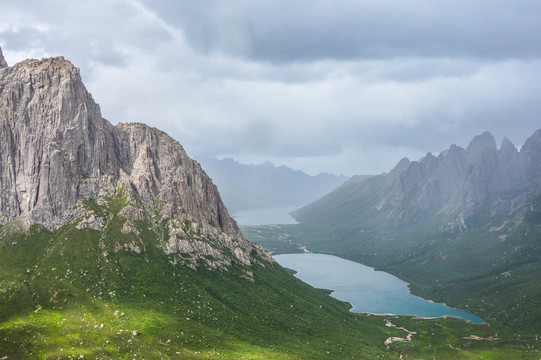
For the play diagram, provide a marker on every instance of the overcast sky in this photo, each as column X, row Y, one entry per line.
column 338, row 86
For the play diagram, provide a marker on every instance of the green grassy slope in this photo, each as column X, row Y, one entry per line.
column 435, row 338
column 75, row 292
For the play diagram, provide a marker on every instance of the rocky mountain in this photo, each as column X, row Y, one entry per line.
column 449, row 224
column 56, row 150
column 457, row 183
column 460, row 181
column 245, row 187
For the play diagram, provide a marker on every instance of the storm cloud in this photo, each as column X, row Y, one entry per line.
column 338, row 86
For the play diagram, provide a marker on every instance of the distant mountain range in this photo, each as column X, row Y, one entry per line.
column 463, row 227
column 244, row 187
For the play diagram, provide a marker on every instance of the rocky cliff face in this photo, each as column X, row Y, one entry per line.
column 462, row 181
column 2, row 60
column 56, row 150
column 481, row 181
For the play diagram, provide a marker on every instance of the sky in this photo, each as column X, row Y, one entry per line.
column 342, row 86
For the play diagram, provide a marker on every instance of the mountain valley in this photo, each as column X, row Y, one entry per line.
column 265, row 185
column 462, row 227
column 115, row 244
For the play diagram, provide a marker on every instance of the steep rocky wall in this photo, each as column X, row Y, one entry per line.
column 157, row 167
column 56, row 149
column 463, row 181
column 3, row 62
column 54, row 146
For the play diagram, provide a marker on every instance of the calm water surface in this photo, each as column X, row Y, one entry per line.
column 369, row 291
column 266, row 216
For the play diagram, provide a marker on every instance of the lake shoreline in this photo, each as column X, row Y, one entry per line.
column 415, row 306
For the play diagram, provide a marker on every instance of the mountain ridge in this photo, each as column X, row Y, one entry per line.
column 246, row 187
column 457, row 179
column 58, row 151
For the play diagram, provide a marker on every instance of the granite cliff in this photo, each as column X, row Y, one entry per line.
column 56, row 151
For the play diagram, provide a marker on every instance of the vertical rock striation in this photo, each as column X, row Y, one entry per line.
column 3, row 62
column 55, row 148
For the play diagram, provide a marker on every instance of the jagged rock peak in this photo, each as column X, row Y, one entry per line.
column 3, row 62
column 533, row 142
column 507, row 149
column 479, row 144
column 530, row 154
column 402, row 165
column 507, row 145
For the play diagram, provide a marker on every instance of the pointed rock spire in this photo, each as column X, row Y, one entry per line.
column 530, row 154
column 3, row 62
column 485, row 140
column 507, row 149
column 402, row 165
column 479, row 144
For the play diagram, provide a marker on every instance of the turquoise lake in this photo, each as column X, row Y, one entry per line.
column 266, row 216
column 369, row 291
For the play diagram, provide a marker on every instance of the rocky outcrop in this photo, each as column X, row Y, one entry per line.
column 478, row 145
column 56, row 150
column 530, row 160
column 457, row 190
column 461, row 182
column 3, row 62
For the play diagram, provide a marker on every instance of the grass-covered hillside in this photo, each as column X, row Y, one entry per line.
column 463, row 227
column 80, row 292
column 489, row 265
column 434, row 338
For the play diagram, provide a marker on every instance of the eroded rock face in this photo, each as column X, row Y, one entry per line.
column 3, row 62
column 462, row 181
column 56, row 150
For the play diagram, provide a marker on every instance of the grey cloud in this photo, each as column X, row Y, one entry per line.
column 342, row 86
column 286, row 31
column 87, row 33
column 98, row 50
column 214, row 26
column 22, row 38
column 328, row 116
